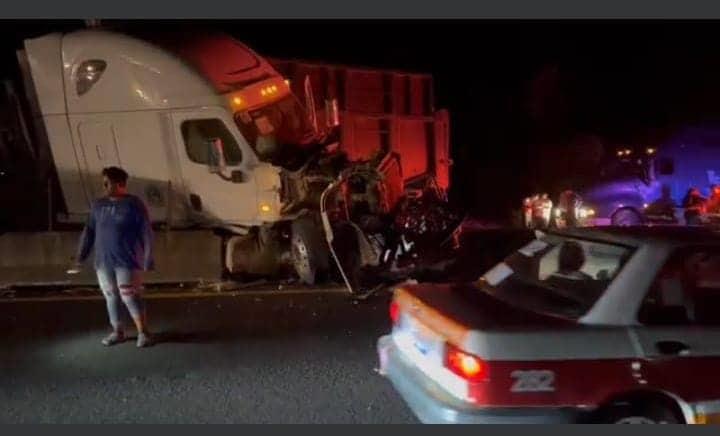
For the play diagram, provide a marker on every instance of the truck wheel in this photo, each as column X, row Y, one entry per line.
column 641, row 414
column 626, row 217
column 309, row 251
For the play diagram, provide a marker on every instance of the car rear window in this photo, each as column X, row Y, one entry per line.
column 558, row 276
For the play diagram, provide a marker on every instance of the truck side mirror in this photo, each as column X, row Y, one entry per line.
column 216, row 156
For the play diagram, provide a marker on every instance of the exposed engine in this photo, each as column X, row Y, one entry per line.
column 379, row 233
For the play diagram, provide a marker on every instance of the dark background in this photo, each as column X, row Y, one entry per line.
column 525, row 97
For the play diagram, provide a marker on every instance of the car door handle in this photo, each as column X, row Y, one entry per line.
column 672, row 348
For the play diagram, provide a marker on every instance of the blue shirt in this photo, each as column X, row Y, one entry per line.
column 120, row 231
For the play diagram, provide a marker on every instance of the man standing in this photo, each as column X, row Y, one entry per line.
column 120, row 231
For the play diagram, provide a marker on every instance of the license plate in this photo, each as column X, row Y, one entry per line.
column 420, row 340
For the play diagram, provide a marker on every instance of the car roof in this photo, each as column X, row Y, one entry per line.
column 641, row 235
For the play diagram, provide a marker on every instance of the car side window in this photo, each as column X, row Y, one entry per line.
column 686, row 291
column 197, row 133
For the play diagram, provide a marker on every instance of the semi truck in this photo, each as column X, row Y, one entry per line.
column 293, row 165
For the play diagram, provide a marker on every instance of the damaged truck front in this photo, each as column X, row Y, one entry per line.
column 366, row 167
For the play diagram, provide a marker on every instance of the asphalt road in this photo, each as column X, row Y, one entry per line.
column 255, row 357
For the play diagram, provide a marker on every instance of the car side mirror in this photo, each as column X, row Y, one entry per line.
column 216, row 156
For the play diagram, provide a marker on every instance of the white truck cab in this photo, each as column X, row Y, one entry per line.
column 104, row 99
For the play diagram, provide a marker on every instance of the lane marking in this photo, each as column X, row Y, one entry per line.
column 180, row 295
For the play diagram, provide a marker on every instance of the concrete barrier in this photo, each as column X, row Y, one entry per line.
column 42, row 258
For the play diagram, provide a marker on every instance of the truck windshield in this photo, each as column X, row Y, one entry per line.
column 620, row 170
column 563, row 278
column 279, row 132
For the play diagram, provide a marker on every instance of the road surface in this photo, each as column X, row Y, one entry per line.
column 249, row 357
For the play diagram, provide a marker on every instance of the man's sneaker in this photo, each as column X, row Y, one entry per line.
column 143, row 340
column 113, row 338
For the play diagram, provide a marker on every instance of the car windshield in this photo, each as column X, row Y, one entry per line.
column 554, row 275
column 277, row 132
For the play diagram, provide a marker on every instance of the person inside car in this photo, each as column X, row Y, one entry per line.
column 569, row 281
column 570, row 262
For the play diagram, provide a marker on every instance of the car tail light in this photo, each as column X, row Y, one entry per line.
column 467, row 366
column 394, row 312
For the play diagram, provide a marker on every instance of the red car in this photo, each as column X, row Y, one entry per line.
column 616, row 325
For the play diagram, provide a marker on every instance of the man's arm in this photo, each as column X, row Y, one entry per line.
column 87, row 239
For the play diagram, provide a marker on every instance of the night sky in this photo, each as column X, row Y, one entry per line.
column 517, row 91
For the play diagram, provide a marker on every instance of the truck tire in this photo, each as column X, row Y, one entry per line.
column 626, row 217
column 308, row 250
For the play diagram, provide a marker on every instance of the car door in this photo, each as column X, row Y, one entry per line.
column 680, row 335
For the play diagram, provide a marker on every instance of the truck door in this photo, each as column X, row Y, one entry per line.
column 229, row 196
column 99, row 150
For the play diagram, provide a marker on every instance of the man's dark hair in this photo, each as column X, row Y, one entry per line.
column 116, row 175
column 571, row 257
